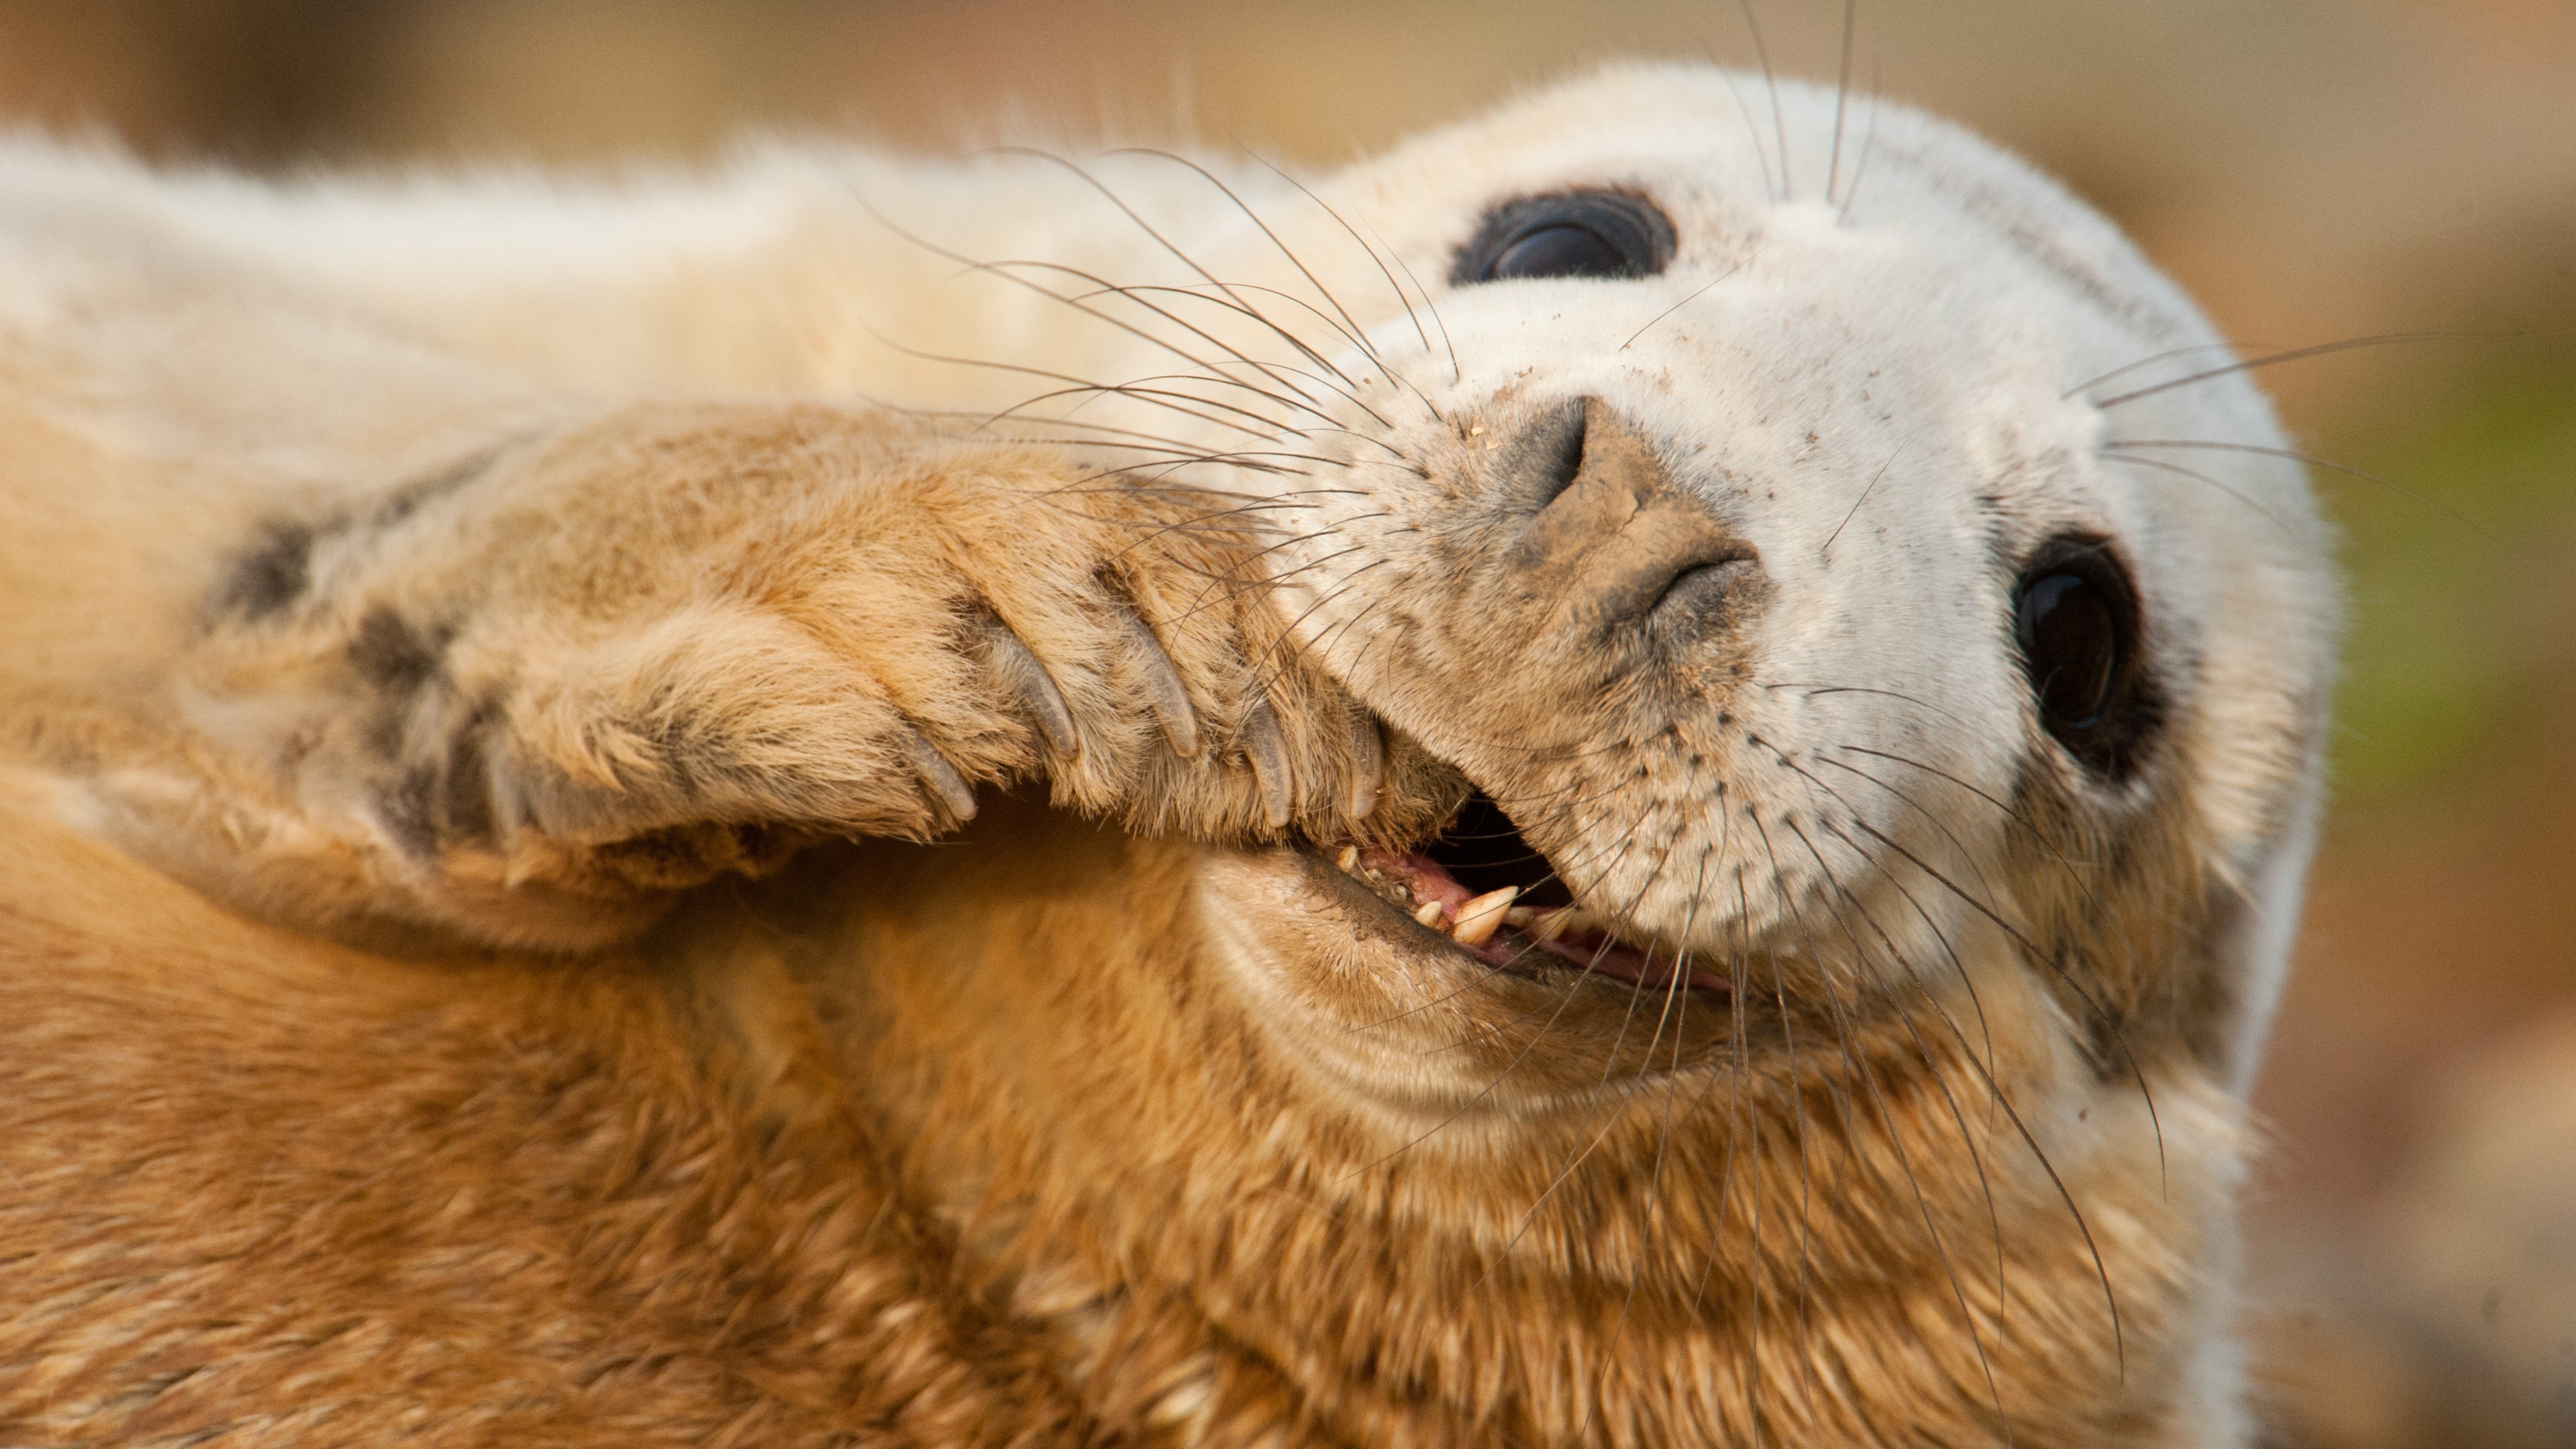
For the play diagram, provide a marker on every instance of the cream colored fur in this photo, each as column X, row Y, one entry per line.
column 480, row 653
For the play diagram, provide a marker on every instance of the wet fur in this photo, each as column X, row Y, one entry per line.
column 470, row 974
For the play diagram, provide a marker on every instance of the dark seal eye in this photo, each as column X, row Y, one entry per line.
column 1609, row 234
column 2075, row 615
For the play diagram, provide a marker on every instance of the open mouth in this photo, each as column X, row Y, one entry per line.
column 1483, row 886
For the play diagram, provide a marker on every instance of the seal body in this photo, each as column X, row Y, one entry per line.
column 1637, row 775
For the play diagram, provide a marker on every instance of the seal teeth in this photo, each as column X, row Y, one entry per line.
column 1478, row 916
column 1554, row 924
column 1428, row 913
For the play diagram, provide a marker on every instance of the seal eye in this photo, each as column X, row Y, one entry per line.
column 2075, row 615
column 1609, row 234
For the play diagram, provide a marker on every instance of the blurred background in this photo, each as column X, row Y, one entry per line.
column 2313, row 170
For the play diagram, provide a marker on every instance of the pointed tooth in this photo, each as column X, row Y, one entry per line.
column 1428, row 913
column 1347, row 859
column 1519, row 916
column 1479, row 915
column 1552, row 924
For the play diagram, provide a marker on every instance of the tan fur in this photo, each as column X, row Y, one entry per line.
column 494, row 948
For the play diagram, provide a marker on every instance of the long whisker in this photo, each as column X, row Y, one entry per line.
column 1868, row 143
column 1431, row 306
column 1842, row 94
column 1827, row 553
column 1673, row 992
column 2102, row 1011
column 1752, row 133
column 1284, row 250
column 1348, row 336
column 1134, row 385
column 1166, row 243
column 2295, row 456
column 1401, row 300
column 1150, row 396
column 2163, row 466
column 2295, row 354
column 1275, row 368
column 2015, row 816
column 1779, row 124
column 1695, row 295
column 2150, row 360
column 1001, row 270
column 1997, row 1098
column 1797, row 1096
column 2109, row 1020
column 1811, row 691
column 1916, row 806
column 1138, row 296
column 1895, row 1138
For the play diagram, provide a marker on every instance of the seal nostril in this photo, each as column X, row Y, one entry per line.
column 1545, row 458
column 1699, row 598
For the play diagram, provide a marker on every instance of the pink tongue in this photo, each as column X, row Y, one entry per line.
column 1424, row 875
column 1607, row 957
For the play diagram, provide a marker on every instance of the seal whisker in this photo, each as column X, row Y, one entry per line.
column 1138, row 383
column 1351, row 328
column 1003, row 271
column 2295, row 354
column 1281, row 369
column 1868, row 144
column 1432, row 306
column 2165, row 466
column 1842, row 97
column 1138, row 296
column 1895, row 1136
column 1383, row 270
column 1330, row 325
column 1771, row 82
column 1753, row 133
column 1149, row 396
column 1677, row 1005
column 2295, row 456
column 2038, row 836
column 1166, row 244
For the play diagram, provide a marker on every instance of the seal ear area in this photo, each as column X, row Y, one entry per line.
column 2080, row 629
column 1608, row 234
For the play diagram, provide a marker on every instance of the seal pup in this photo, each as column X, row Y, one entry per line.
column 1636, row 775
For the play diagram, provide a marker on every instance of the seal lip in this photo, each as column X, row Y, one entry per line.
column 1541, row 943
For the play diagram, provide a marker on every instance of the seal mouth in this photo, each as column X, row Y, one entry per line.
column 1480, row 885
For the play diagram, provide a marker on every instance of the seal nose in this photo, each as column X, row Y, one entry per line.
column 1610, row 538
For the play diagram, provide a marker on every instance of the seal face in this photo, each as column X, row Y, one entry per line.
column 1886, row 650
column 1776, row 566
column 1637, row 775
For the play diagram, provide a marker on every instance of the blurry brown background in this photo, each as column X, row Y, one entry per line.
column 2312, row 171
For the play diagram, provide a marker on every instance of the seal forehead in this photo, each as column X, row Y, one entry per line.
column 1738, row 150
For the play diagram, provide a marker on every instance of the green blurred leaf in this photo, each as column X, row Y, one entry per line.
column 2463, row 625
